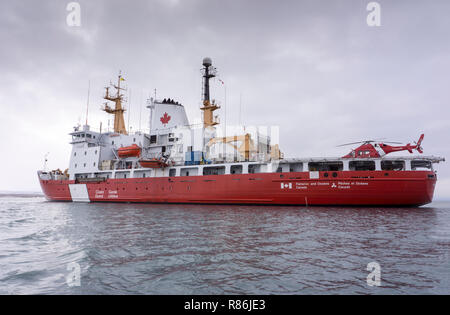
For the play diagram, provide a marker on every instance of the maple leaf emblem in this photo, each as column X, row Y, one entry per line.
column 165, row 119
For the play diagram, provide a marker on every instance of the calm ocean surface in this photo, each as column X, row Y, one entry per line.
column 194, row 249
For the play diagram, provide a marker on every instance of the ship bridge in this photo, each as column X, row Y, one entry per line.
column 84, row 135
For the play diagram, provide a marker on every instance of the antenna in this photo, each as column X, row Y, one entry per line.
column 225, row 147
column 140, row 110
column 129, row 108
column 151, row 105
column 208, row 106
column 225, row 110
column 87, row 105
column 45, row 160
column 240, row 108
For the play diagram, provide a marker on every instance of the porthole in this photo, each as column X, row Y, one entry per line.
column 335, row 174
column 325, row 175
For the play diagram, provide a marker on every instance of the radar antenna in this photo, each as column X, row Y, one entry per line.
column 209, row 107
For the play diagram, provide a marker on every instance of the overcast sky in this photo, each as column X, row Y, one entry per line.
column 314, row 68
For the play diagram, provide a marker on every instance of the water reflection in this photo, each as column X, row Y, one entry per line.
column 195, row 249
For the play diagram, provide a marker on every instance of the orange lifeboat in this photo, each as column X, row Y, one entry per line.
column 153, row 163
column 130, row 151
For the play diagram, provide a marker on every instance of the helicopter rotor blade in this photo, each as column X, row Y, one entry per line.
column 345, row 144
column 370, row 141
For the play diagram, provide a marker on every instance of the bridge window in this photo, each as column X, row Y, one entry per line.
column 189, row 171
column 393, row 165
column 362, row 165
column 152, row 139
column 172, row 172
column 236, row 169
column 296, row 167
column 326, row 166
column 254, row 168
column 417, row 165
column 214, row 170
column 283, row 168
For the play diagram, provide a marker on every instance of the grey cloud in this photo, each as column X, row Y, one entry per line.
column 312, row 67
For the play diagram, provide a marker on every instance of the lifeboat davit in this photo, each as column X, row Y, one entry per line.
column 153, row 163
column 130, row 151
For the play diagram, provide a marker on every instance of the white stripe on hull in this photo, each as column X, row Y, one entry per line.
column 79, row 193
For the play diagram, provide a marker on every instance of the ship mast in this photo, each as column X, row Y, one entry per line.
column 119, row 122
column 208, row 107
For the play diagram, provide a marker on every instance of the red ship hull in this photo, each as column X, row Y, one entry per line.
column 363, row 188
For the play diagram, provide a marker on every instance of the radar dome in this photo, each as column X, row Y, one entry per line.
column 207, row 61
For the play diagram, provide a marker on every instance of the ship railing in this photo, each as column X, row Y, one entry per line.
column 109, row 130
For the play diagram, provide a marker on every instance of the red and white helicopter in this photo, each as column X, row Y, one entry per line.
column 375, row 149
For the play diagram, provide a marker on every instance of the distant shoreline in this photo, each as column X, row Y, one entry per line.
column 21, row 194
column 25, row 194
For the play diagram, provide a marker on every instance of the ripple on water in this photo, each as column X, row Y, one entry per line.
column 193, row 249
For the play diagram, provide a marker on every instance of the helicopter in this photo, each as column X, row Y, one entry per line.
column 375, row 149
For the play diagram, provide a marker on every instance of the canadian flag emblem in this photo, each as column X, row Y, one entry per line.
column 165, row 119
column 286, row 185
